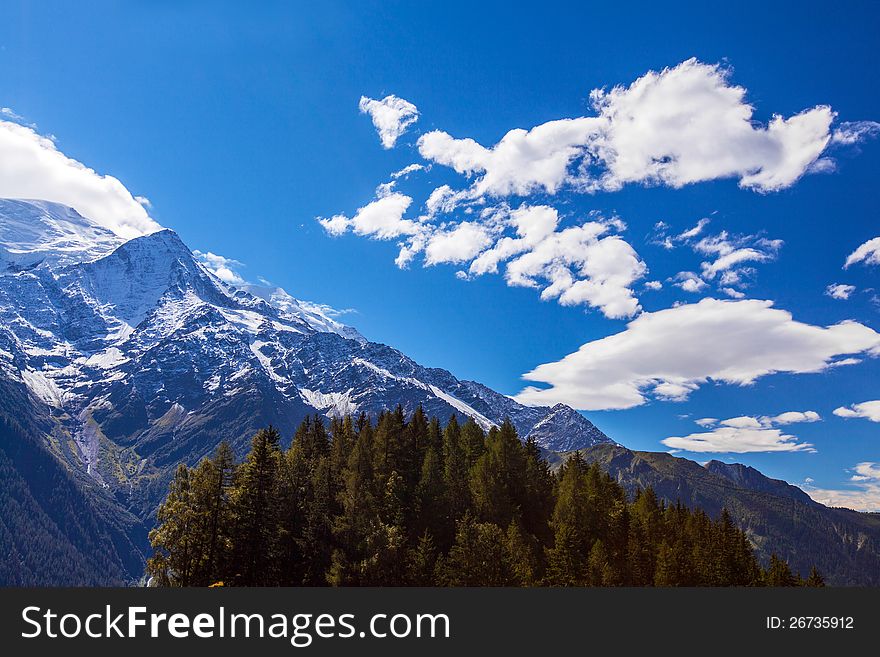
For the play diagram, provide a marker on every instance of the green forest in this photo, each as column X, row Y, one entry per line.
column 412, row 503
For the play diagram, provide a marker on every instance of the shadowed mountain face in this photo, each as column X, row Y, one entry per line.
column 132, row 357
column 778, row 517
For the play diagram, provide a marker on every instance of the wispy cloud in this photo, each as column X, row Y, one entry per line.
column 840, row 291
column 863, row 493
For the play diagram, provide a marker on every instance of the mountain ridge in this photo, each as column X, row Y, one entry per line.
column 144, row 358
column 778, row 517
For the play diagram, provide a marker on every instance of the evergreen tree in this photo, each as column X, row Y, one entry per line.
column 422, row 562
column 404, row 503
column 255, row 512
column 815, row 580
column 479, row 556
column 779, row 573
column 174, row 537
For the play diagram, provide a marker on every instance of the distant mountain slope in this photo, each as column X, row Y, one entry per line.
column 144, row 359
column 780, row 518
column 57, row 528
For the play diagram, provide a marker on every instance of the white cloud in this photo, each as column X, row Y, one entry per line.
column 653, row 285
column 670, row 353
column 32, row 167
column 869, row 410
column 581, row 265
column 695, row 231
column 738, row 440
column 381, row 219
column 221, row 266
column 853, row 132
column 869, row 253
column 405, row 171
column 460, row 244
column 521, row 163
column 675, row 127
column 688, row 124
column 577, row 265
column 391, row 116
column 864, row 494
column 792, row 417
column 733, row 292
column 730, row 252
column 689, row 281
column 840, row 291
column 745, row 434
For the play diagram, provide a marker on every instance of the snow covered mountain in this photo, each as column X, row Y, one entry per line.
column 138, row 358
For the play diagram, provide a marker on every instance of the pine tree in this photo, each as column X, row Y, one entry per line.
column 256, row 512
column 479, row 556
column 335, row 509
column 815, row 580
column 422, row 562
column 567, row 560
column 455, row 472
column 779, row 573
column 212, row 482
column 498, row 479
column 431, row 500
column 537, row 503
column 173, row 539
column 473, row 441
column 524, row 552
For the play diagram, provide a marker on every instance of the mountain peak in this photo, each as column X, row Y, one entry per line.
column 748, row 477
column 35, row 231
column 317, row 316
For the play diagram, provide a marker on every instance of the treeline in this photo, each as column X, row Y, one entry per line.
column 413, row 503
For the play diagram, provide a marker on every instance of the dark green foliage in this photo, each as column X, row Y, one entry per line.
column 404, row 503
column 55, row 529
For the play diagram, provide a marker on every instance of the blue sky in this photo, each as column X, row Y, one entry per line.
column 241, row 125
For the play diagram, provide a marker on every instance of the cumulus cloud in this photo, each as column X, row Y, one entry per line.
column 586, row 264
column 863, row 494
column 840, row 291
column 391, row 117
column 32, row 167
column 670, row 353
column 459, row 244
column 222, row 267
column 792, row 417
column 689, row 282
column 868, row 253
column 675, row 127
column 869, row 410
column 728, row 258
column 688, row 124
column 405, row 171
column 522, row 162
column 381, row 219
